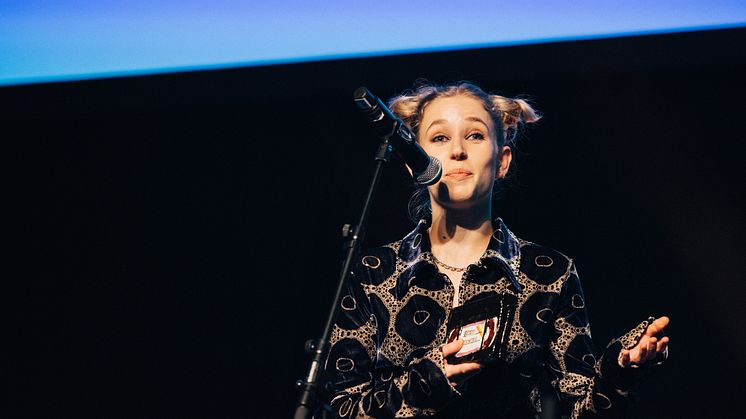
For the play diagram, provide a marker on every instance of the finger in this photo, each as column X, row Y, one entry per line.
column 662, row 345
column 459, row 372
column 662, row 322
column 642, row 350
column 657, row 326
column 634, row 355
column 625, row 358
column 452, row 348
column 652, row 346
column 469, row 367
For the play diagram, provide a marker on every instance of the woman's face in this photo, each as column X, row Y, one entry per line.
column 461, row 134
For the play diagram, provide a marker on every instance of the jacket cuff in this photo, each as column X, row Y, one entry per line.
column 436, row 355
column 611, row 368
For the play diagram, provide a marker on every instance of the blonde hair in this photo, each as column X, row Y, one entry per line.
column 508, row 115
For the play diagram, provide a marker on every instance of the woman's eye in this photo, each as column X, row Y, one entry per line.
column 439, row 138
column 476, row 136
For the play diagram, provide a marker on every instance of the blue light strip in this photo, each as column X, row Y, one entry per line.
column 42, row 41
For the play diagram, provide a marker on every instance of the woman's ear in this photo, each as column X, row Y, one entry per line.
column 505, row 156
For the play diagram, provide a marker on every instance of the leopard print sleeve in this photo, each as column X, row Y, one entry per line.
column 589, row 387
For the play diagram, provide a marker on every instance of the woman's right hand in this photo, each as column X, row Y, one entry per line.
column 458, row 373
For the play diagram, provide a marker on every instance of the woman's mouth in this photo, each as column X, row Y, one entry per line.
column 458, row 173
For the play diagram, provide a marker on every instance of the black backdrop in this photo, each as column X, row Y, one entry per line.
column 174, row 239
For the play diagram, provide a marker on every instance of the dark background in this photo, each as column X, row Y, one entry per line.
column 172, row 240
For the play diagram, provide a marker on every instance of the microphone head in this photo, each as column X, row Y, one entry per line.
column 361, row 92
column 364, row 99
column 431, row 174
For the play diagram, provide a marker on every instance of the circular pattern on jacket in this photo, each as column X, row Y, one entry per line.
column 407, row 323
column 534, row 314
column 371, row 262
column 544, row 312
column 420, row 317
column 577, row 301
column 606, row 401
column 499, row 236
column 424, row 385
column 348, row 303
column 409, row 281
column 345, row 408
column 589, row 359
column 366, row 403
column 533, row 264
column 380, row 397
column 416, row 241
column 543, row 261
column 345, row 364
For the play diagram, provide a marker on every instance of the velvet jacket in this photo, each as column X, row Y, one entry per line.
column 385, row 358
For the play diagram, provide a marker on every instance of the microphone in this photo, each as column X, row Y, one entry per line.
column 426, row 170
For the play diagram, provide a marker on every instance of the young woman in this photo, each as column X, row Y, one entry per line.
column 389, row 355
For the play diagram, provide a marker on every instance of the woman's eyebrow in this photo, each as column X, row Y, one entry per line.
column 477, row 119
column 468, row 118
column 436, row 122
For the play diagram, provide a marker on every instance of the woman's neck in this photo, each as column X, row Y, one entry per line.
column 460, row 238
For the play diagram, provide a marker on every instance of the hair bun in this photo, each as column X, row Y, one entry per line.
column 513, row 112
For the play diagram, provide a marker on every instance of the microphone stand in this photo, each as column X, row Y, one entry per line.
column 309, row 386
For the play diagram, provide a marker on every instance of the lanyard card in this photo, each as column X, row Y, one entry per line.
column 484, row 326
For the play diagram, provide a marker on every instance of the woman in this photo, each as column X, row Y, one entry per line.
column 388, row 355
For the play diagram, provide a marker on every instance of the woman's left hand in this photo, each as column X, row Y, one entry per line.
column 651, row 343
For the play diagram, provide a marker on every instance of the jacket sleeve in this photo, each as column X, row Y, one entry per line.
column 365, row 383
column 588, row 387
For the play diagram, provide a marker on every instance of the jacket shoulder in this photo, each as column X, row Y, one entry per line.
column 543, row 264
column 374, row 264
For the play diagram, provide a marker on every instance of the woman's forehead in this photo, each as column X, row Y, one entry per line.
column 456, row 107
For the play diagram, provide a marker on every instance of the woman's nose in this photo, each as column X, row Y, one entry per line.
column 458, row 152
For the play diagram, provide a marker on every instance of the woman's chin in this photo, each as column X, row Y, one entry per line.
column 459, row 202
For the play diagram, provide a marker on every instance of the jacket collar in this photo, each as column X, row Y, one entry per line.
column 503, row 250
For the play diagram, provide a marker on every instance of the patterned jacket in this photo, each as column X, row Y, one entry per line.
column 385, row 358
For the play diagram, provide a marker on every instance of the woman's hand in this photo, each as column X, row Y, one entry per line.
column 651, row 343
column 458, row 373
